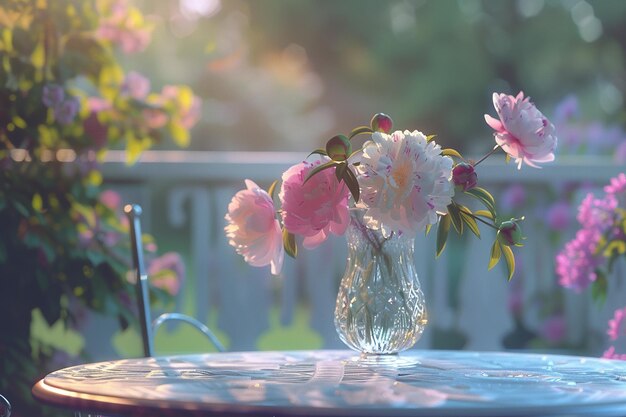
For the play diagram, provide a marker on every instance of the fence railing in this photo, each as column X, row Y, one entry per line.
column 185, row 196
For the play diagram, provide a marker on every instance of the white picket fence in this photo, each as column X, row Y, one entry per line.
column 192, row 191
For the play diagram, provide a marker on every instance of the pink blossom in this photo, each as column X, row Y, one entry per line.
column 315, row 208
column 167, row 272
column 111, row 199
column 124, row 26
column 596, row 213
column 154, row 118
column 617, row 189
column 576, row 263
column 97, row 104
column 616, row 324
column 189, row 111
column 253, row 229
column 523, row 132
column 610, row 354
column 135, row 86
column 559, row 216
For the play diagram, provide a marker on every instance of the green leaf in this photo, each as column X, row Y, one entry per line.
column 485, row 197
column 359, row 130
column 484, row 213
column 353, row 184
column 289, row 242
column 496, row 253
column 340, row 171
column 469, row 220
column 442, row 234
column 430, row 137
column 272, row 188
column 319, row 168
column 455, row 216
column 451, row 152
column 509, row 258
column 427, row 231
column 599, row 287
column 318, row 151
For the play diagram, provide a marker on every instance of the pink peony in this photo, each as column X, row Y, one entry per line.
column 314, row 209
column 523, row 132
column 404, row 182
column 253, row 229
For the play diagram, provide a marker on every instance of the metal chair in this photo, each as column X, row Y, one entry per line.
column 5, row 407
column 148, row 328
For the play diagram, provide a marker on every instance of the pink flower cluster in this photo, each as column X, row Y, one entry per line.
column 615, row 330
column 601, row 238
column 124, row 26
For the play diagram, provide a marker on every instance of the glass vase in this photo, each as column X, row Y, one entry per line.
column 380, row 305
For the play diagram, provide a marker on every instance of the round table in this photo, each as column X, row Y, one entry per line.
column 342, row 383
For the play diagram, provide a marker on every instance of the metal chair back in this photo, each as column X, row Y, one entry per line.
column 149, row 328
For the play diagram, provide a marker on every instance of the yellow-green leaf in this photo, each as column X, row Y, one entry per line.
column 180, row 134
column 509, row 258
column 37, row 202
column 428, row 227
column 289, row 242
column 469, row 220
column 457, row 222
column 451, row 152
column 272, row 188
column 484, row 213
column 496, row 253
column 359, row 130
column 485, row 197
column 318, row 151
column 442, row 234
column 430, row 137
column 319, row 168
column 38, row 57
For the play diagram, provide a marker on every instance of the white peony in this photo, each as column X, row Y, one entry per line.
column 404, row 182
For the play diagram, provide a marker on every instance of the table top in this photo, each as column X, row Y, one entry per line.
column 342, row 383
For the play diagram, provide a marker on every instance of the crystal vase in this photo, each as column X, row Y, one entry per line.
column 380, row 306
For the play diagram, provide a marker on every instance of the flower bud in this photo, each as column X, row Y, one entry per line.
column 464, row 177
column 338, row 148
column 381, row 123
column 510, row 233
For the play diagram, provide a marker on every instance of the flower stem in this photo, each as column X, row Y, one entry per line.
column 475, row 217
column 495, row 148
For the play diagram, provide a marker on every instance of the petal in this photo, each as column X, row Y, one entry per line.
column 495, row 124
column 311, row 242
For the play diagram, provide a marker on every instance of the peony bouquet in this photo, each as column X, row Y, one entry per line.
column 403, row 181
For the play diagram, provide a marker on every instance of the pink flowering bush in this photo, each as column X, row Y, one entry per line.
column 588, row 259
column 64, row 101
column 403, row 181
